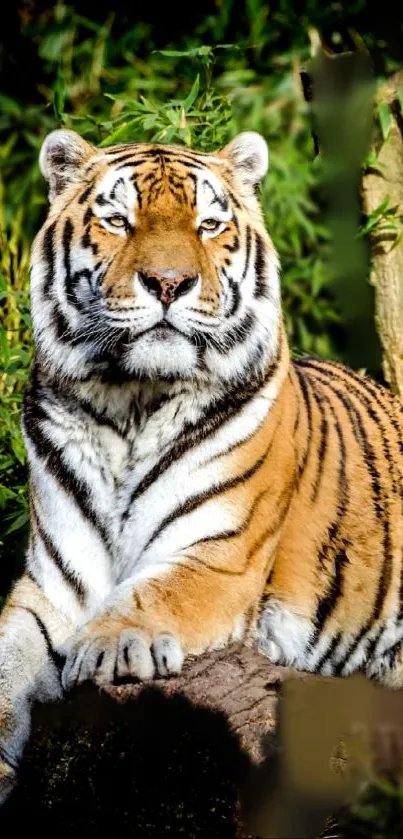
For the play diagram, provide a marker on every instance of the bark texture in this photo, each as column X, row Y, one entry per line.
column 168, row 759
column 199, row 755
column 387, row 256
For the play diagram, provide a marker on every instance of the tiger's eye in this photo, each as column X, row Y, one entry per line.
column 116, row 220
column 210, row 224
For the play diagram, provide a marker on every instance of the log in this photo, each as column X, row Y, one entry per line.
column 233, row 748
column 168, row 758
column 379, row 182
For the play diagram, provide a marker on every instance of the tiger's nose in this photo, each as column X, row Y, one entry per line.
column 167, row 286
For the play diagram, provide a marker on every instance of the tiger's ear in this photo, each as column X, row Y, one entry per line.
column 249, row 155
column 62, row 154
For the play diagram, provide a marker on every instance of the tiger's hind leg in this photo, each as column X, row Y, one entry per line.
column 387, row 667
column 283, row 635
column 31, row 629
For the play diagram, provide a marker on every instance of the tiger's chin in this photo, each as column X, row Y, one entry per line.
column 161, row 353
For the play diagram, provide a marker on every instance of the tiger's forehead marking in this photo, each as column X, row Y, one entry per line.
column 140, row 175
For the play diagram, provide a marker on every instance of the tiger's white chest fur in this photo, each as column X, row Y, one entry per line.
column 139, row 483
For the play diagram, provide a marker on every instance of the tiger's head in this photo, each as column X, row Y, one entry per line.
column 154, row 262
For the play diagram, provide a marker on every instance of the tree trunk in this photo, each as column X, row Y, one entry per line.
column 387, row 257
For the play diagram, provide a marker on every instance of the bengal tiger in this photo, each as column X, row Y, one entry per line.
column 190, row 485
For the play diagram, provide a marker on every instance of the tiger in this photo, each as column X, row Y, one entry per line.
column 191, row 485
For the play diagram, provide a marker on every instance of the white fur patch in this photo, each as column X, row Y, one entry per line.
column 284, row 636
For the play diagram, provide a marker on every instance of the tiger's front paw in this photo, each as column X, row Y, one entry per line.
column 132, row 654
column 8, row 777
column 15, row 719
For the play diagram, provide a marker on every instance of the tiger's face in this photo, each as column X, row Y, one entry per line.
column 154, row 261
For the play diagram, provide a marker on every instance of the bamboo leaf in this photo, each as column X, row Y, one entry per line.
column 385, row 119
column 59, row 95
column 190, row 99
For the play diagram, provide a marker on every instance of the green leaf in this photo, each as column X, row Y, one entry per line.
column 385, row 119
column 374, row 217
column 5, row 349
column 59, row 95
column 9, row 105
column 192, row 96
column 196, row 52
column 121, row 133
column 18, row 523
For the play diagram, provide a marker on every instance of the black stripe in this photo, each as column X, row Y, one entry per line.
column 87, row 216
column 238, row 531
column 64, row 331
column 57, row 659
column 132, row 164
column 117, row 183
column 321, row 454
column 28, row 571
column 53, row 459
column 87, row 242
column 374, row 642
column 392, row 652
column 172, row 153
column 298, row 411
column 134, row 180
column 100, row 418
column 213, row 418
column 67, row 237
column 362, row 440
column 191, row 504
column 101, row 200
column 234, row 446
column 328, row 602
column 237, row 334
column 193, row 179
column 328, row 654
column 234, row 200
column 367, row 402
column 235, row 245
column 86, row 194
column 236, row 296
column 303, row 388
column 189, row 164
column 247, row 255
column 221, row 200
column 261, row 289
column 122, row 160
column 364, row 382
column 48, row 249
column 72, row 581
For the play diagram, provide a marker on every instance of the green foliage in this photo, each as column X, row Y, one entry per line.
column 378, row 812
column 15, row 357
